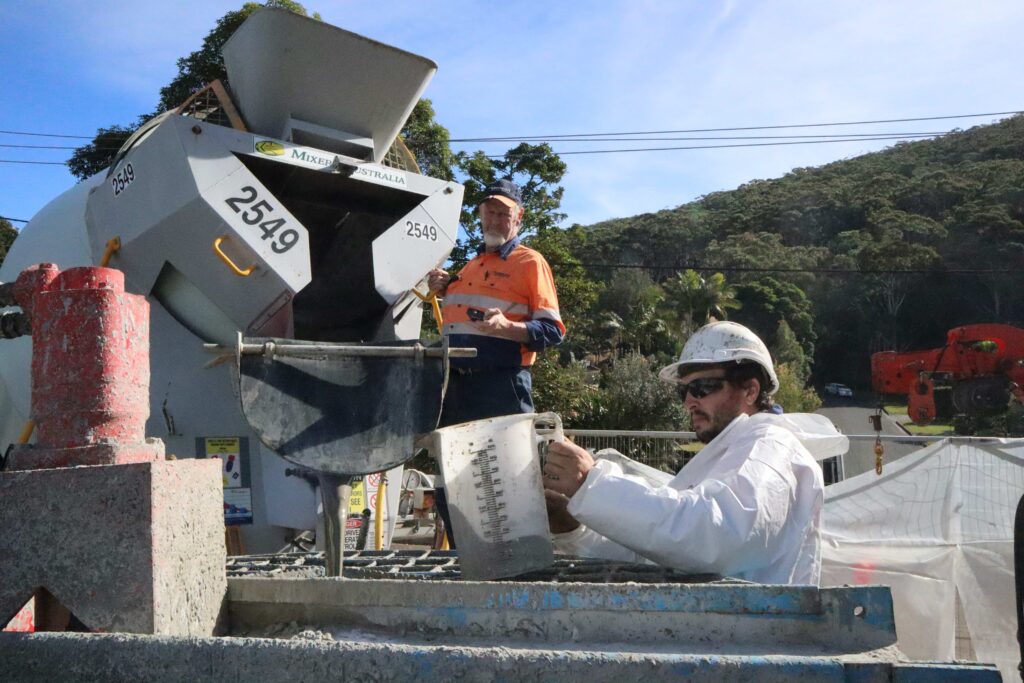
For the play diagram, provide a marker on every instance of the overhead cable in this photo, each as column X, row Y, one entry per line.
column 47, row 135
column 42, row 163
column 556, row 136
column 722, row 130
column 651, row 149
column 825, row 271
column 745, row 144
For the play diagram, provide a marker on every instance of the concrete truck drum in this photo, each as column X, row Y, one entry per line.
column 281, row 208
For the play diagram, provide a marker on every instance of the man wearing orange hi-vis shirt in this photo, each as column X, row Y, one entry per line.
column 502, row 303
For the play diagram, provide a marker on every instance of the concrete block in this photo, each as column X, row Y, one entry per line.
column 135, row 548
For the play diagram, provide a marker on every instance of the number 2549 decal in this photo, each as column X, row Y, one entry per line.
column 122, row 179
column 255, row 211
column 424, row 231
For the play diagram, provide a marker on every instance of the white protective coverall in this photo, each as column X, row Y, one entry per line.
column 747, row 506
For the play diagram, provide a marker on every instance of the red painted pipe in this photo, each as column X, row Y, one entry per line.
column 90, row 369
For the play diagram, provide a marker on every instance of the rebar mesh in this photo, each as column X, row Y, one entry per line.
column 444, row 565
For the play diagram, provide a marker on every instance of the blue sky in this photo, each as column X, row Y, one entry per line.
column 540, row 68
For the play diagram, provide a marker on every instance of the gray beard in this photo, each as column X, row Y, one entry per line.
column 492, row 241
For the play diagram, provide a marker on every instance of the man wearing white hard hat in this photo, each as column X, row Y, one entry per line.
column 749, row 503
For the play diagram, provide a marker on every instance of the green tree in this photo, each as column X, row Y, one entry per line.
column 429, row 142
column 629, row 315
column 535, row 168
column 195, row 71
column 90, row 159
column 631, row 397
column 792, row 395
column 561, row 388
column 787, row 350
column 692, row 300
column 7, row 236
column 768, row 300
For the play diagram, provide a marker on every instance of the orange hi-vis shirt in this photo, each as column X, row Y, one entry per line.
column 516, row 280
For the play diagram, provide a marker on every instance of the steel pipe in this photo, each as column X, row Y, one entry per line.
column 272, row 349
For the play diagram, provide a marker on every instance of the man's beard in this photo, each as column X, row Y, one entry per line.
column 715, row 425
column 493, row 240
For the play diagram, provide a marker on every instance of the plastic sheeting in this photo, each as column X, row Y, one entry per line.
column 936, row 523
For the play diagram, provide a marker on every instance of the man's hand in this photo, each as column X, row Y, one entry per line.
column 559, row 519
column 497, row 325
column 437, row 281
column 565, row 467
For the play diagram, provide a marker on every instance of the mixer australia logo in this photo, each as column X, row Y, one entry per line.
column 269, row 148
column 316, row 159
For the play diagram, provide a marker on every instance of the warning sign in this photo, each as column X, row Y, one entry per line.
column 233, row 452
column 357, row 501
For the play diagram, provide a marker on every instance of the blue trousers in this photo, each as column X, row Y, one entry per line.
column 487, row 394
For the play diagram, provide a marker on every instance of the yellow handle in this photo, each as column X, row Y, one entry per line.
column 432, row 298
column 113, row 244
column 26, row 431
column 230, row 264
column 378, row 515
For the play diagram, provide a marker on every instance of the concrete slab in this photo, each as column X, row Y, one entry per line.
column 133, row 548
column 114, row 658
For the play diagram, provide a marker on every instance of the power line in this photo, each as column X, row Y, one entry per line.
column 851, row 136
column 43, row 147
column 723, row 130
column 745, row 144
column 47, row 135
column 823, row 271
column 566, row 136
column 13, row 220
column 892, row 136
column 42, row 163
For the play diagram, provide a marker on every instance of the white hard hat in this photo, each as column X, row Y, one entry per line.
column 723, row 342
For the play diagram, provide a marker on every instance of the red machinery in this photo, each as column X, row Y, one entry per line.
column 973, row 375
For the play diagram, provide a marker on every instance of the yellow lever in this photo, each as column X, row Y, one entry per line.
column 432, row 299
column 113, row 244
column 230, row 264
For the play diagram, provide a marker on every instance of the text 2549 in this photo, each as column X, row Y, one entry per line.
column 256, row 212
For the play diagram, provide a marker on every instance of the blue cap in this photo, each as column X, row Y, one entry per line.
column 505, row 190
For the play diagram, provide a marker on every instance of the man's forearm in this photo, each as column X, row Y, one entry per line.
column 516, row 332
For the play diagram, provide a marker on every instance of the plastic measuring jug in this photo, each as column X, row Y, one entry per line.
column 492, row 477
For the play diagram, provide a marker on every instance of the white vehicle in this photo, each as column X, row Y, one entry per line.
column 836, row 389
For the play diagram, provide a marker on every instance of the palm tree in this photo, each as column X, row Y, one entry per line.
column 694, row 301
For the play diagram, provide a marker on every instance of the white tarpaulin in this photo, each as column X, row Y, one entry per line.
column 936, row 523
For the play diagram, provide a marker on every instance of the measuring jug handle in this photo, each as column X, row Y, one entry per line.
column 547, row 427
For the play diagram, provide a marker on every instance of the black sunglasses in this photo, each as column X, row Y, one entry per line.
column 699, row 388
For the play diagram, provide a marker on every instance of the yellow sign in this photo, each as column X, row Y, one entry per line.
column 222, row 446
column 357, row 501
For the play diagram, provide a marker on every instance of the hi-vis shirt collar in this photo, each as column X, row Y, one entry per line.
column 505, row 249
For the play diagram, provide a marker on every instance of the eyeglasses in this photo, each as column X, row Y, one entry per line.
column 699, row 388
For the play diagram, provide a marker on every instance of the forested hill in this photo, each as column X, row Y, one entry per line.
column 828, row 249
